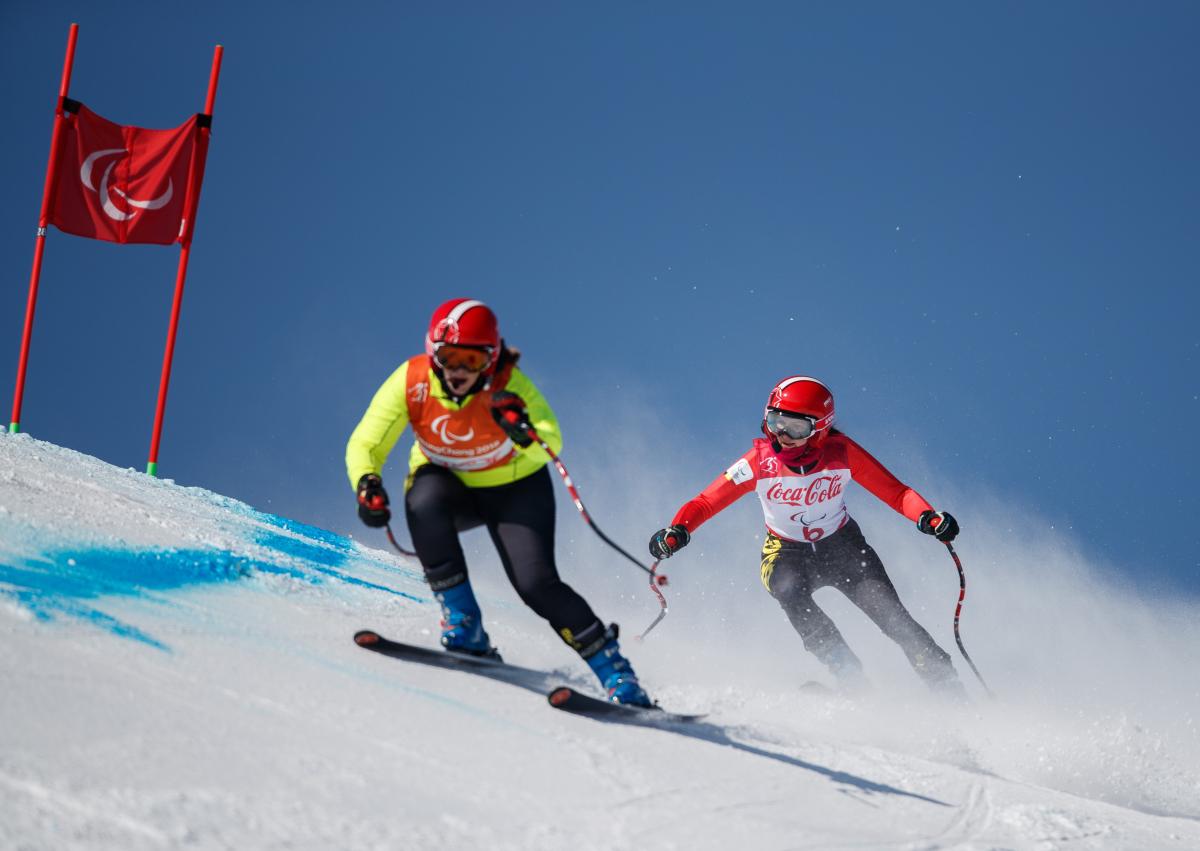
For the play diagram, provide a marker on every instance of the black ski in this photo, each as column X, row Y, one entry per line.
column 493, row 668
column 560, row 696
column 570, row 700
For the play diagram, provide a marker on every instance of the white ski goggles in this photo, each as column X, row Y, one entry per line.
column 795, row 426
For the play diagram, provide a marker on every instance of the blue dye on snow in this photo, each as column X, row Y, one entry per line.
column 326, row 559
column 70, row 583
column 330, row 540
column 62, row 583
column 44, row 608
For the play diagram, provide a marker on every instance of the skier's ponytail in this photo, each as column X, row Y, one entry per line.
column 509, row 355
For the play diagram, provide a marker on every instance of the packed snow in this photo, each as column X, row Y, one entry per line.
column 177, row 670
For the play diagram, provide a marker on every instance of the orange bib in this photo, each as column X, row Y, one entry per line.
column 464, row 439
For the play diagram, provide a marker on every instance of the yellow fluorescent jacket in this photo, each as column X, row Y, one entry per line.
column 461, row 436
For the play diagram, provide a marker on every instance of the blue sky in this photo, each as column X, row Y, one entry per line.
column 977, row 224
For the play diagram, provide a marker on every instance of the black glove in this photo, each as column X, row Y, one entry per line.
column 666, row 542
column 373, row 502
column 508, row 410
column 940, row 524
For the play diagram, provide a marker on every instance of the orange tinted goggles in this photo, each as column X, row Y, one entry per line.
column 462, row 357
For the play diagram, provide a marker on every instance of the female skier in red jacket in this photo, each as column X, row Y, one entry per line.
column 800, row 469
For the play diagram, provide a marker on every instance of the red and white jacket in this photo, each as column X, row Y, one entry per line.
column 802, row 506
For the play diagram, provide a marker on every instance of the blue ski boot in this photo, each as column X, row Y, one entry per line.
column 616, row 674
column 462, row 622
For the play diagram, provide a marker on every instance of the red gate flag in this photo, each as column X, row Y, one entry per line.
column 120, row 184
column 127, row 184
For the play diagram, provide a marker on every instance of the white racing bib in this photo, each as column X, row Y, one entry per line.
column 804, row 507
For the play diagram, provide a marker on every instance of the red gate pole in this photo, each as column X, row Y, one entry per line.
column 40, row 244
column 177, row 304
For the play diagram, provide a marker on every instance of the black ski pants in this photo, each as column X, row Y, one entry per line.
column 792, row 571
column 520, row 519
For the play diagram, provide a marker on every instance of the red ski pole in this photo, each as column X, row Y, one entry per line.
column 962, row 593
column 656, row 579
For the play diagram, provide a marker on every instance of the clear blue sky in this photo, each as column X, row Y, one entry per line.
column 977, row 223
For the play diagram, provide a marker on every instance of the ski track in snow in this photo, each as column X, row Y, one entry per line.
column 177, row 670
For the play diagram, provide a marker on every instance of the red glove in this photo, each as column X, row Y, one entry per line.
column 509, row 412
column 373, row 502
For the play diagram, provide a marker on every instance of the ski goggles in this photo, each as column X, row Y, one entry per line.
column 462, row 357
column 795, row 426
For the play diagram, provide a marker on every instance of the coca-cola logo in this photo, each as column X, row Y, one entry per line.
column 818, row 490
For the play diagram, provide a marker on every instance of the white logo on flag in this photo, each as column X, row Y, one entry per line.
column 85, row 174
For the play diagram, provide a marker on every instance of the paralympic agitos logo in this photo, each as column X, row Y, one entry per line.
column 820, row 489
column 106, row 191
column 441, row 427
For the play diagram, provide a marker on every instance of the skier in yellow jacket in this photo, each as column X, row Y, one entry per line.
column 474, row 464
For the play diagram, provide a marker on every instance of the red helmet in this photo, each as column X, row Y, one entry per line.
column 464, row 322
column 799, row 394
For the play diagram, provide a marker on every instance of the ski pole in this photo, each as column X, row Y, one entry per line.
column 400, row 549
column 376, row 503
column 962, row 593
column 656, row 579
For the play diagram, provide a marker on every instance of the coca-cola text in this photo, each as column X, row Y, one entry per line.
column 820, row 489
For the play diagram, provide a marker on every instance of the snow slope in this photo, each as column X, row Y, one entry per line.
column 177, row 670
